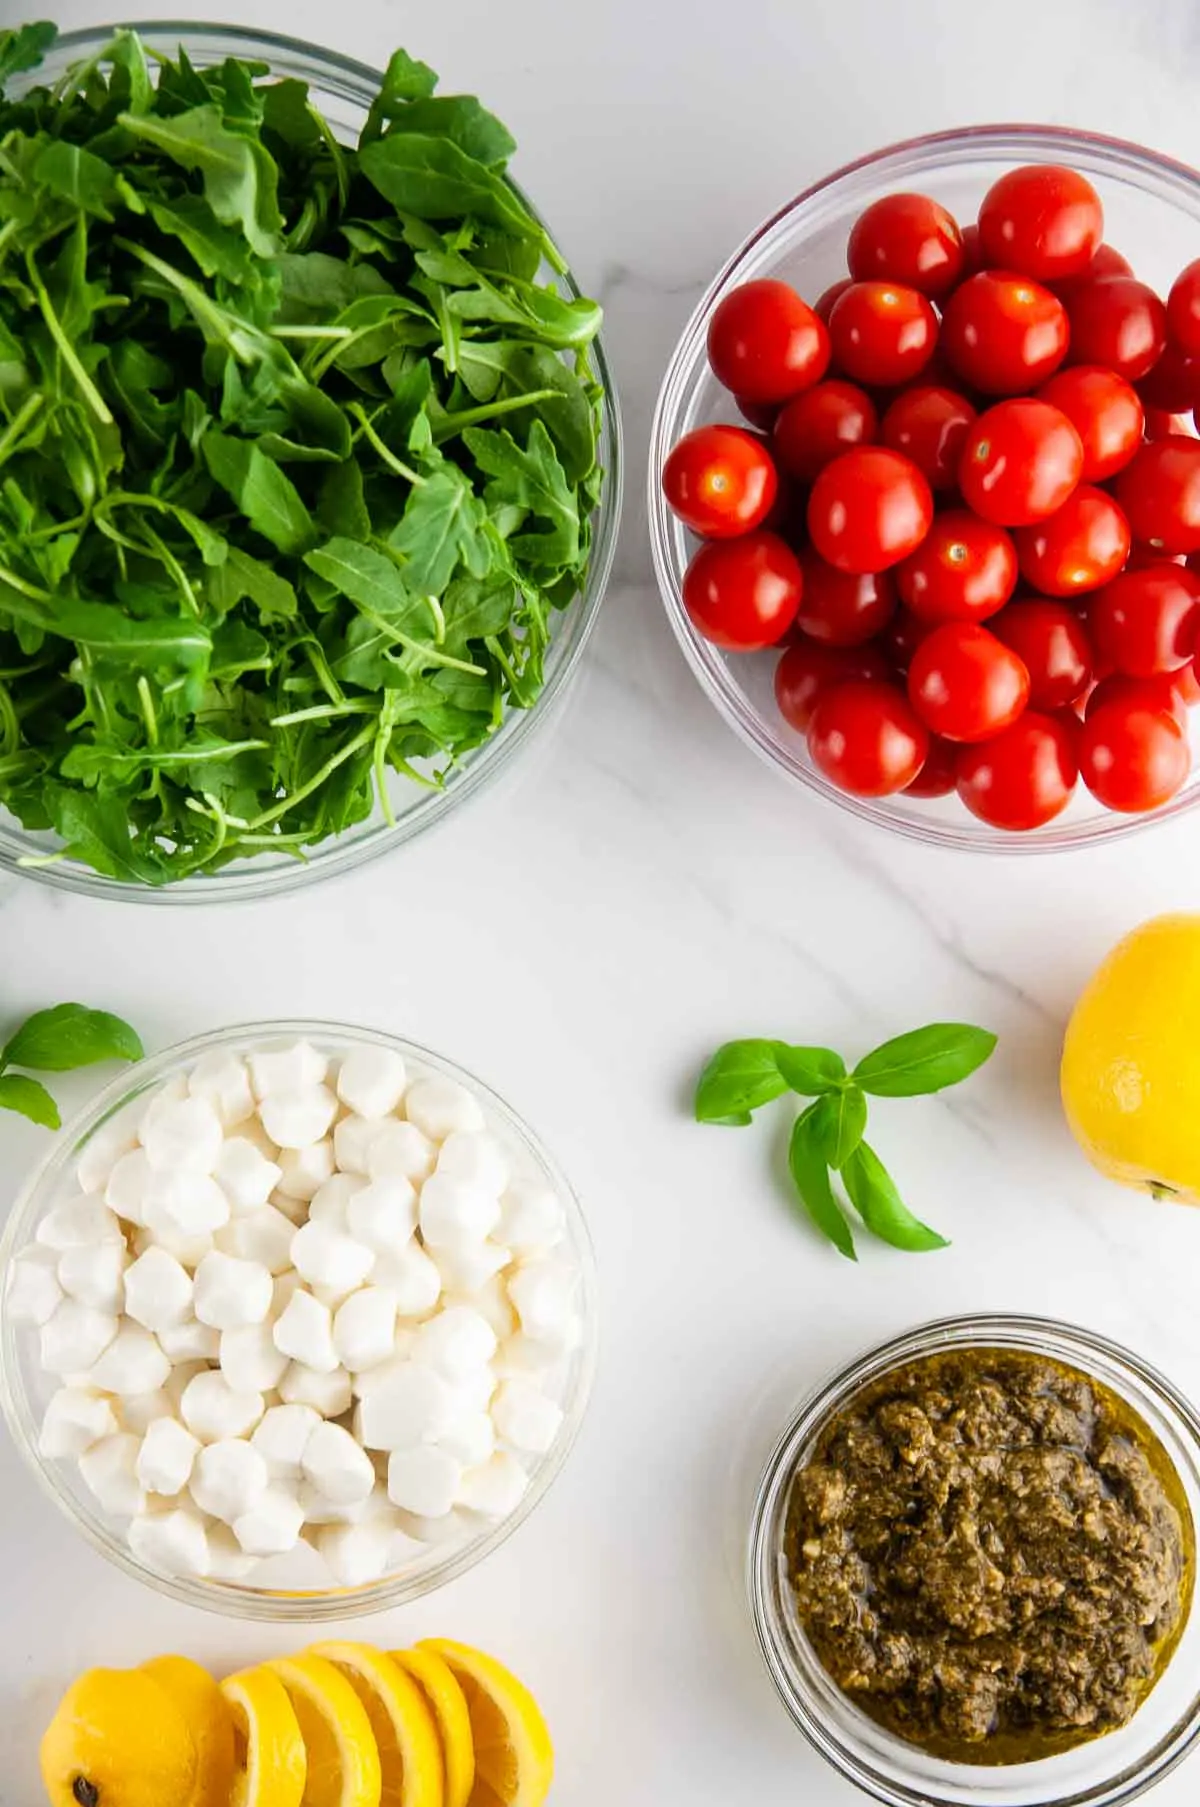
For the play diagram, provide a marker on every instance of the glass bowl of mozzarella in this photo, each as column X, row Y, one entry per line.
column 297, row 1321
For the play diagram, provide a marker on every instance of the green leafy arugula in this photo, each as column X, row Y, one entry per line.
column 58, row 1041
column 298, row 452
column 828, row 1137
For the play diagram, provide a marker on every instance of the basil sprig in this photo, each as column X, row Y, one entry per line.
column 58, row 1041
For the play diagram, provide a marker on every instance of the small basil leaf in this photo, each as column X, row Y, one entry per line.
column 70, row 1035
column 811, row 1176
column 810, row 1071
column 28, row 1099
column 840, row 1120
column 739, row 1078
column 874, row 1196
column 925, row 1060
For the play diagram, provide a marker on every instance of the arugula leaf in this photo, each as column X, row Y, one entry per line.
column 874, row 1196
column 925, row 1060
column 404, row 80
column 443, row 522
column 268, row 499
column 810, row 1172
column 24, row 49
column 433, row 179
column 740, row 1077
column 370, row 579
column 70, row 1036
column 29, row 1099
column 239, row 173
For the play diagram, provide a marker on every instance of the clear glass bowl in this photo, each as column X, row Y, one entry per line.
column 1152, row 211
column 343, row 90
column 1107, row 1772
column 279, row 1593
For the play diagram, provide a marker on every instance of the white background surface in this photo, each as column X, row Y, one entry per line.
column 641, row 890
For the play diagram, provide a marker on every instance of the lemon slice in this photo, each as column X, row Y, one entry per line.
column 208, row 1718
column 410, row 1755
column 118, row 1737
column 269, row 1761
column 514, row 1758
column 448, row 1705
column 343, row 1758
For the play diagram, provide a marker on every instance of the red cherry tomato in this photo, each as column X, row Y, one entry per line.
column 1161, row 425
column 1159, row 693
column 1108, row 261
column 965, row 684
column 819, row 424
column 806, row 671
column 1147, row 621
column 1052, row 644
column 882, row 333
column 1082, row 545
column 906, row 238
column 823, row 305
column 759, row 414
column 766, row 344
column 869, row 509
column 866, row 738
column 1104, row 410
column 902, row 636
column 843, row 608
column 964, row 569
column 1160, row 493
column 939, row 775
column 1183, row 309
column 972, row 251
column 1187, row 683
column 1022, row 778
column 1133, row 758
column 1020, row 462
column 1003, row 333
column 1119, row 322
column 1042, row 221
column 929, row 425
column 720, row 481
column 743, row 594
column 1174, row 383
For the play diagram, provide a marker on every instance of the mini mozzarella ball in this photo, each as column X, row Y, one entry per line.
column 183, row 1137
column 132, row 1363
column 383, row 1213
column 364, row 1328
column 75, row 1336
column 166, row 1457
column 413, row 1404
column 371, row 1081
column 353, row 1139
column 158, row 1292
column 173, row 1543
column 470, row 1439
column 473, row 1392
column 412, row 1278
column 129, row 1186
column 455, row 1342
column 336, row 1465
column 525, row 1418
column 476, row 1158
column 438, row 1107
column 189, row 1251
column 425, row 1481
column 293, row 1069
column 359, row 1553
column 492, row 1302
column 282, row 1438
column 138, row 1411
column 470, row 1267
column 230, row 1293
column 109, row 1469
column 454, row 1214
column 328, row 1394
column 33, row 1293
column 271, row 1526
column 105, row 1146
column 330, row 1203
column 227, row 1561
column 303, row 1170
column 245, row 1175
column 453, row 1527
column 326, row 1257
column 79, row 1224
column 532, row 1219
column 186, row 1204
column 190, row 1341
column 304, row 1332
column 223, row 1081
column 95, row 1276
column 400, row 1151
column 298, row 1119
column 366, row 1380
column 543, row 1291
column 215, row 1411
column 495, row 1488
column 250, row 1361
column 228, row 1479
column 263, row 1236
column 74, row 1419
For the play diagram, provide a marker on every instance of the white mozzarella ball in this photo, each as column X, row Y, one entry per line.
column 532, row 1219
column 353, row 1138
column 282, row 1436
column 543, row 1292
column 166, row 1457
column 412, row 1278
column 359, row 1553
column 425, row 1481
column 522, row 1357
column 109, row 1468
column 138, row 1411
column 95, row 1276
column 183, row 1137
column 328, row 1394
column 75, row 1336
column 470, row 1267
column 367, row 1379
column 303, row 1170
column 290, row 1069
column 170, row 1092
column 186, row 1204
column 227, row 1561
column 264, row 1236
column 230, row 1293
column 335, row 1464
column 525, row 1418
column 453, row 1527
column 173, row 1543
column 224, row 1081
column 189, row 1251
column 286, row 1286
column 455, row 1342
column 494, row 1489
column 318, row 1510
column 158, row 1292
column 304, row 1332
column 492, row 1302
column 132, row 1362
column 33, row 1293
column 470, row 1439
column 473, row 1392
column 400, row 1151
column 326, row 1257
column 75, row 1419
column 228, row 1479
column 105, row 1146
column 272, row 1525
column 330, row 1203
column 476, row 1158
column 364, row 1328
column 383, row 1214
column 80, row 1223
column 129, row 1186
column 371, row 1081
column 190, row 1341
column 245, row 1175
column 414, row 1404
column 454, row 1213
column 250, row 1361
column 214, row 1411
column 298, row 1119
column 180, row 1379
column 440, row 1106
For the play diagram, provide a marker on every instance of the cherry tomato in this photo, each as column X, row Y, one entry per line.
column 1147, row 621
column 1042, row 221
column 1159, row 693
column 929, row 425
column 869, row 509
column 1160, row 493
column 1187, row 682
column 1020, row 462
column 1133, row 758
column 1183, row 309
column 823, row 305
column 906, row 238
column 720, row 481
column 843, row 608
column 1004, row 333
column 806, row 671
column 766, row 344
column 1052, row 644
column 1104, row 410
column 964, row 569
column 882, row 333
column 866, row 738
column 1108, row 261
column 1119, row 322
column 1080, row 546
column 965, row 684
column 760, row 414
column 972, row 251
column 1022, row 778
column 743, row 594
column 819, row 424
column 1174, row 383
column 1161, row 425
column 939, row 775
column 902, row 636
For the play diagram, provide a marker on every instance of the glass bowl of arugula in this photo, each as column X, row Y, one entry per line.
column 309, row 460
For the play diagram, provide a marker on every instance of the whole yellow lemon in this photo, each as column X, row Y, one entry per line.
column 118, row 1740
column 1131, row 1061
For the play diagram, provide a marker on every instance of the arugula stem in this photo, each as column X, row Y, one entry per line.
column 429, row 653
column 338, row 333
column 385, row 452
column 323, row 712
column 29, row 408
column 148, row 715
column 450, row 424
column 66, row 350
column 306, row 790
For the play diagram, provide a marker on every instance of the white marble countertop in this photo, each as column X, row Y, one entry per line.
column 642, row 889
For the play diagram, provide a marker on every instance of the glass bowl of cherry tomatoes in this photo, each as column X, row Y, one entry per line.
column 925, row 489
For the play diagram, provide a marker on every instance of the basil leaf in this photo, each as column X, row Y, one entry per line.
column 925, row 1060
column 809, row 1071
column 874, row 1196
column 810, row 1173
column 69, row 1036
column 839, row 1120
column 739, row 1078
column 28, row 1099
